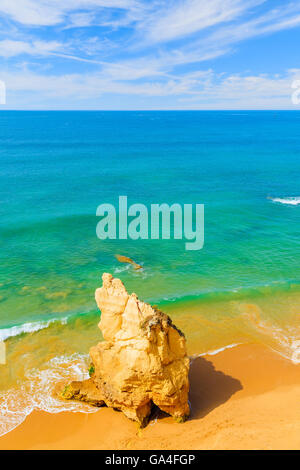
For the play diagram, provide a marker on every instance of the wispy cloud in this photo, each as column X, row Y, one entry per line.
column 52, row 12
column 190, row 16
column 10, row 48
column 196, row 90
column 142, row 48
column 285, row 17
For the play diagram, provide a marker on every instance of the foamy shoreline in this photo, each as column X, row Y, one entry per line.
column 235, row 398
column 36, row 393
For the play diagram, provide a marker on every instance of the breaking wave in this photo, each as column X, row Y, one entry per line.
column 292, row 201
column 32, row 327
column 283, row 340
column 38, row 392
column 214, row 352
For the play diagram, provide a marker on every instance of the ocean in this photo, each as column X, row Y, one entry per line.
column 58, row 167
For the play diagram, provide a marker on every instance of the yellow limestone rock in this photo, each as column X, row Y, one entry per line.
column 143, row 360
column 125, row 259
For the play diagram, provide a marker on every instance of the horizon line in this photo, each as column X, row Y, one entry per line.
column 152, row 110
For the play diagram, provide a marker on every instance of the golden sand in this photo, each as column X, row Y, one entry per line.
column 242, row 398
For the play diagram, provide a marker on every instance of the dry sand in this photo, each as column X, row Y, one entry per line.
column 247, row 397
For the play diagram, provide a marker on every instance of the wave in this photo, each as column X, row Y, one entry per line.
column 292, row 201
column 231, row 293
column 38, row 392
column 32, row 327
column 217, row 351
column 40, row 388
column 210, row 295
column 284, row 340
column 121, row 269
column 214, row 352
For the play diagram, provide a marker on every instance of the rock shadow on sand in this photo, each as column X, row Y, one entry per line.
column 209, row 388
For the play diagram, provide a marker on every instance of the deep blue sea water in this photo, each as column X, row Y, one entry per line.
column 57, row 167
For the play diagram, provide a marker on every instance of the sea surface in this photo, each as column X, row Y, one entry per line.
column 56, row 168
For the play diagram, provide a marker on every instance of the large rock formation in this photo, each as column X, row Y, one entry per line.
column 143, row 360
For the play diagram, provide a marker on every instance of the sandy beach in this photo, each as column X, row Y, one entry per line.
column 246, row 397
column 150, row 215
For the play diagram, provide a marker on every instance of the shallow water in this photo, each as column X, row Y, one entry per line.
column 57, row 167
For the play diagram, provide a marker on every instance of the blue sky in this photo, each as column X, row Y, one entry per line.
column 149, row 54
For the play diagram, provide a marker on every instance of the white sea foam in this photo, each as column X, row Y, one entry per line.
column 122, row 269
column 295, row 346
column 285, row 341
column 289, row 347
column 37, row 392
column 217, row 351
column 293, row 201
column 286, row 344
column 214, row 352
column 6, row 333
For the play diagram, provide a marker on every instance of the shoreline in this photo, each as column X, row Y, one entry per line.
column 245, row 397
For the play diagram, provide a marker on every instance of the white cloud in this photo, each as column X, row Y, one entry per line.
column 236, row 91
column 9, row 48
column 30, row 12
column 158, row 22
column 281, row 18
column 221, row 42
column 183, row 18
column 52, row 12
column 79, row 20
column 127, row 65
column 196, row 90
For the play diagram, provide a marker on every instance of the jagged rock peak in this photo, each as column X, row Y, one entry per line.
column 143, row 360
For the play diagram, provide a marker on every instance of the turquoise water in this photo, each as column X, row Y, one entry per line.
column 57, row 167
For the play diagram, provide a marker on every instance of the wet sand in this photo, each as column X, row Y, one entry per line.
column 246, row 397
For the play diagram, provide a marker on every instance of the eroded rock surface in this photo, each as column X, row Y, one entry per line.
column 143, row 360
